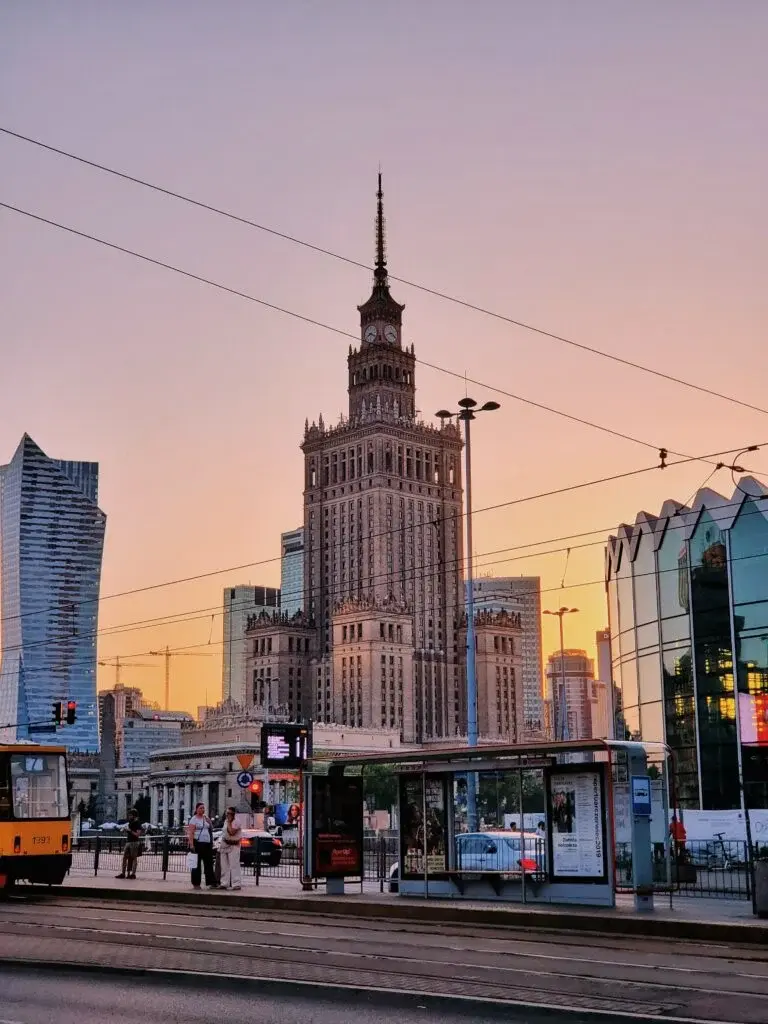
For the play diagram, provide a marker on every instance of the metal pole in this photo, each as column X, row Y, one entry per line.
column 564, row 701
column 471, row 664
column 472, row 821
column 424, row 832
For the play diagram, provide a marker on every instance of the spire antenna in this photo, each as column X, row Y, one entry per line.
column 380, row 273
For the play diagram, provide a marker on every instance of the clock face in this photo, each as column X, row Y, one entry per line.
column 371, row 333
column 390, row 333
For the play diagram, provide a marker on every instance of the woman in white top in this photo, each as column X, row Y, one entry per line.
column 229, row 851
column 200, row 839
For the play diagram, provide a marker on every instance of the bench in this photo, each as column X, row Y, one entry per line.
column 496, row 879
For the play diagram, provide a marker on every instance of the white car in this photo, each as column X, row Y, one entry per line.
column 493, row 852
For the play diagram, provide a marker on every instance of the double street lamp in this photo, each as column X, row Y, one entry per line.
column 560, row 705
column 468, row 410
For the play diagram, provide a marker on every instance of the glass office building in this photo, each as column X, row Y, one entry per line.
column 688, row 608
column 51, row 543
column 292, row 571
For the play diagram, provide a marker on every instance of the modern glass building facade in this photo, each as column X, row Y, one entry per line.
column 292, row 571
column 51, row 544
column 688, row 609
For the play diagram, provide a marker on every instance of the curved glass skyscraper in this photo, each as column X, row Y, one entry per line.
column 51, row 543
column 688, row 609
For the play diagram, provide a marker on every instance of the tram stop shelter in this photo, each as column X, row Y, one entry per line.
column 562, row 850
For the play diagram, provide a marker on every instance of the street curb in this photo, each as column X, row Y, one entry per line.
column 423, row 913
column 394, row 998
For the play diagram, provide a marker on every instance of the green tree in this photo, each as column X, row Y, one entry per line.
column 380, row 789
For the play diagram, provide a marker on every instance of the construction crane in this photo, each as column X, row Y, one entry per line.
column 119, row 665
column 168, row 654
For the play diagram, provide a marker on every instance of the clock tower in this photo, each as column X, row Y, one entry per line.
column 381, row 372
column 383, row 544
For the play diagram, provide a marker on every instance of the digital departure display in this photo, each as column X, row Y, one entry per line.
column 284, row 746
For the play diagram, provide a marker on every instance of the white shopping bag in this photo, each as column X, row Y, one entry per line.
column 192, row 860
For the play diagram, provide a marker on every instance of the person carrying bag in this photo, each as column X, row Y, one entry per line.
column 200, row 839
column 229, row 851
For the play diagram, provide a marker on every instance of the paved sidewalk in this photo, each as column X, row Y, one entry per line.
column 714, row 920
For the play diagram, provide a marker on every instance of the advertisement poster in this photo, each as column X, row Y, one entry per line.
column 337, row 826
column 287, row 814
column 419, row 834
column 576, row 811
column 437, row 832
column 753, row 718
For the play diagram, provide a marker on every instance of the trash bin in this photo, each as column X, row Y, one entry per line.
column 761, row 888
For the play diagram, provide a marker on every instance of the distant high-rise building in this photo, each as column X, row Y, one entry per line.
column 520, row 595
column 585, row 697
column 147, row 730
column 292, row 572
column 605, row 675
column 52, row 538
column 126, row 700
column 240, row 604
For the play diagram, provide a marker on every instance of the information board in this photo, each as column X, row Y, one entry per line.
column 577, row 839
column 284, row 746
column 423, row 826
column 337, row 826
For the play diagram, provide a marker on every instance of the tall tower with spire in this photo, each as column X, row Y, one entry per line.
column 381, row 372
column 383, row 542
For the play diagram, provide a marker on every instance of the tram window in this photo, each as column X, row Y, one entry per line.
column 38, row 786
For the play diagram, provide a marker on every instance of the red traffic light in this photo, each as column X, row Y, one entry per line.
column 71, row 712
column 257, row 787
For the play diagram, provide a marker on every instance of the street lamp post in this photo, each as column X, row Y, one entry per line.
column 468, row 410
column 560, row 707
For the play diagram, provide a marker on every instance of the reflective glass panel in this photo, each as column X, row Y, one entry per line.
column 646, row 607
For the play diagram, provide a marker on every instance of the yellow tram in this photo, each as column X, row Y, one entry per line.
column 35, row 827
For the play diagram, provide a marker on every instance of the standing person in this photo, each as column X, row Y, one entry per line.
column 200, row 839
column 679, row 837
column 230, row 851
column 132, row 847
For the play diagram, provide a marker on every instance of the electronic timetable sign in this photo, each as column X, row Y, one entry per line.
column 284, row 746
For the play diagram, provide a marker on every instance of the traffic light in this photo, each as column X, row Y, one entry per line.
column 71, row 712
column 58, row 711
column 256, row 789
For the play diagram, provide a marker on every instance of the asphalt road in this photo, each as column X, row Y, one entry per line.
column 229, row 950
column 50, row 995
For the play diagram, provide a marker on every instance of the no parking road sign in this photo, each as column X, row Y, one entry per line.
column 244, row 779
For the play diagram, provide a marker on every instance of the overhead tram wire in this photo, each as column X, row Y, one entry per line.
column 436, row 293
column 392, row 531
column 663, row 450
column 339, row 590
column 214, row 611
column 458, row 603
column 450, row 606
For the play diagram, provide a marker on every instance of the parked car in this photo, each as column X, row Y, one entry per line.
column 499, row 851
column 257, row 845
column 491, row 851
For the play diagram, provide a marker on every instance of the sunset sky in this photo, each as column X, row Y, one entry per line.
column 596, row 170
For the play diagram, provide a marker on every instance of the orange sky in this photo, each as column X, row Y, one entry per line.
column 599, row 173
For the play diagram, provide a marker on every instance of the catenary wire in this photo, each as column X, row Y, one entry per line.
column 217, row 611
column 545, row 590
column 436, row 293
column 409, row 576
column 328, row 327
column 384, row 533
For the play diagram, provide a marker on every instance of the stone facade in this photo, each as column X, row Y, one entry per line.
column 499, row 671
column 383, row 526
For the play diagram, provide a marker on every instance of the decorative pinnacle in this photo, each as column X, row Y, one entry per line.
column 380, row 273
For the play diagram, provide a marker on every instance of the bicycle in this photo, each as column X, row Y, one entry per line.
column 722, row 860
